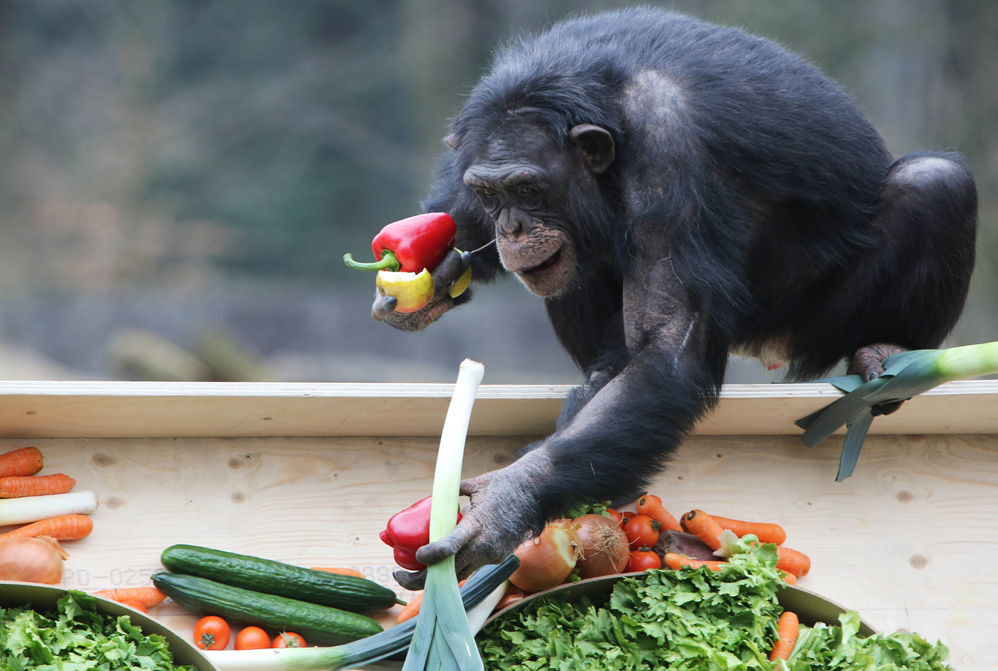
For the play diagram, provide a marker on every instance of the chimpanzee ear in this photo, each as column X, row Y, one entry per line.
column 452, row 140
column 594, row 144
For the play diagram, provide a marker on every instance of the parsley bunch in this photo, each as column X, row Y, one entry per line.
column 78, row 638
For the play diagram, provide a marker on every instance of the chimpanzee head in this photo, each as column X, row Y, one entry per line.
column 528, row 178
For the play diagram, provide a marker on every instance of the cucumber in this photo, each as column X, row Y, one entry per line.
column 320, row 625
column 346, row 592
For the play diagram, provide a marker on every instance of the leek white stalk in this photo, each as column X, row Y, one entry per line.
column 443, row 638
column 905, row 375
column 33, row 508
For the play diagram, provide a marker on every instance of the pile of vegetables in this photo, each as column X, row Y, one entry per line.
column 45, row 510
column 694, row 619
column 76, row 636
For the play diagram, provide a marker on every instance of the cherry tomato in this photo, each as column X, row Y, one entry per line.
column 642, row 560
column 211, row 633
column 641, row 530
column 617, row 518
column 252, row 638
column 289, row 639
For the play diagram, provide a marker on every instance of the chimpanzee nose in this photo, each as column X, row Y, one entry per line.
column 511, row 223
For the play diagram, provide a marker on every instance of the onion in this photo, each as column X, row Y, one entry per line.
column 32, row 560
column 547, row 560
column 603, row 544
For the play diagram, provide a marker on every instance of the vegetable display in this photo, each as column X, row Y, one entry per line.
column 76, row 636
column 346, row 592
column 693, row 619
column 320, row 624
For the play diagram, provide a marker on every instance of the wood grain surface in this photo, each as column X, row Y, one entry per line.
column 908, row 541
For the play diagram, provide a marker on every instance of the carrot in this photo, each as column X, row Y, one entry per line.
column 136, row 605
column 62, row 528
column 651, row 505
column 25, row 461
column 15, row 486
column 411, row 609
column 703, row 526
column 677, row 561
column 341, row 571
column 145, row 596
column 787, row 629
column 789, row 578
column 766, row 532
column 792, row 561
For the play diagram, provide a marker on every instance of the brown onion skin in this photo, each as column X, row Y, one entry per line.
column 603, row 546
column 27, row 559
column 542, row 564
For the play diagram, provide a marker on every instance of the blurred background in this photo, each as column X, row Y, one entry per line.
column 179, row 179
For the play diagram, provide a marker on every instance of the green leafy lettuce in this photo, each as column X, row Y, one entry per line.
column 689, row 620
column 78, row 638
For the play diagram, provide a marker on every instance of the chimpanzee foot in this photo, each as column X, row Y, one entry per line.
column 868, row 363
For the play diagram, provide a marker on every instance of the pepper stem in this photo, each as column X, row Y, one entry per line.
column 387, row 262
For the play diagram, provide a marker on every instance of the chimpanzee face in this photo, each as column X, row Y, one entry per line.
column 521, row 179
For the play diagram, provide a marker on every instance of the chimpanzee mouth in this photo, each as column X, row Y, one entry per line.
column 546, row 264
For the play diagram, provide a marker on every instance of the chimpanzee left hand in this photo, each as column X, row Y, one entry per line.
column 445, row 275
column 504, row 511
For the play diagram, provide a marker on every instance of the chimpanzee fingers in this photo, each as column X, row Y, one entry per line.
column 413, row 580
column 449, row 271
column 446, row 546
column 383, row 306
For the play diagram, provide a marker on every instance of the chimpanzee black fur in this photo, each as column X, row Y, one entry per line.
column 692, row 191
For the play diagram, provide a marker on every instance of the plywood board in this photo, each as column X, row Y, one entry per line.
column 907, row 540
column 152, row 409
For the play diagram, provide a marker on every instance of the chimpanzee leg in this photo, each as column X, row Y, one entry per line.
column 910, row 290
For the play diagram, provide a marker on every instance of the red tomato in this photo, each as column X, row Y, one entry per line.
column 252, row 638
column 289, row 639
column 642, row 560
column 641, row 530
column 617, row 518
column 626, row 515
column 211, row 633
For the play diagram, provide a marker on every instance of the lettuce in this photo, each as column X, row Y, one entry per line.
column 689, row 620
column 78, row 638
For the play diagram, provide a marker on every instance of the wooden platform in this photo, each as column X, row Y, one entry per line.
column 309, row 474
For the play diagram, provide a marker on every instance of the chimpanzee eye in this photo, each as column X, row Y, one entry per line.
column 489, row 198
column 530, row 196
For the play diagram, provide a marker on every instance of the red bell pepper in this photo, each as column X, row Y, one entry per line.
column 410, row 245
column 409, row 530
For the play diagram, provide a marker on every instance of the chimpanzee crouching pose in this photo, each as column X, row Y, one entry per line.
column 677, row 191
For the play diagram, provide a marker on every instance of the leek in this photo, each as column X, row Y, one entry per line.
column 481, row 588
column 34, row 508
column 443, row 638
column 905, row 375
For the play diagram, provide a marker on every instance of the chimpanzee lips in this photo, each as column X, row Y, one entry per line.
column 547, row 263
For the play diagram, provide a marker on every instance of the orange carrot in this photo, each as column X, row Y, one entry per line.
column 789, row 578
column 62, row 528
column 145, row 596
column 15, row 486
column 411, row 609
column 651, row 505
column 136, row 605
column 766, row 532
column 703, row 526
column 787, row 629
column 341, row 571
column 25, row 461
column 792, row 561
column 677, row 561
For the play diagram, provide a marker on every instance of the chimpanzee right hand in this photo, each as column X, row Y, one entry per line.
column 504, row 512
column 447, row 272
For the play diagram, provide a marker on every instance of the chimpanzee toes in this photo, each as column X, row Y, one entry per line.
column 868, row 362
column 885, row 408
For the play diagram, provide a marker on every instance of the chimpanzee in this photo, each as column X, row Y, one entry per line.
column 677, row 191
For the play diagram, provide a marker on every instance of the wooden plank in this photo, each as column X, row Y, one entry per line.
column 905, row 541
column 142, row 409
